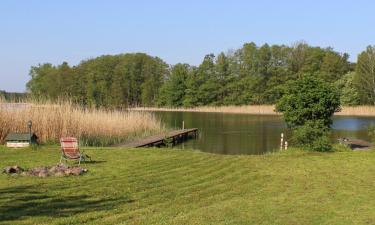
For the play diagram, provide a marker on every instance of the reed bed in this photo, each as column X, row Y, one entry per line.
column 95, row 127
column 364, row 110
column 260, row 110
column 246, row 109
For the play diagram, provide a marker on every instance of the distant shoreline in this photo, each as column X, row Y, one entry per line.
column 365, row 111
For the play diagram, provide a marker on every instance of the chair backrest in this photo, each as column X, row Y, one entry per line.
column 69, row 147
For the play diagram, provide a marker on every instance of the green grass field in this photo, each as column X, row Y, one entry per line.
column 167, row 186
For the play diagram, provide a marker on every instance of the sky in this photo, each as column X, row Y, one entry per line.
column 39, row 31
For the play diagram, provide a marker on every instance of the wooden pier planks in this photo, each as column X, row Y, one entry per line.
column 157, row 139
column 356, row 144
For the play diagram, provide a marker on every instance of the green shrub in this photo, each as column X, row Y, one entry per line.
column 341, row 148
column 307, row 108
column 309, row 99
column 371, row 132
column 313, row 135
column 321, row 144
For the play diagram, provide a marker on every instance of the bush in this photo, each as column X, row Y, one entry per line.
column 309, row 99
column 307, row 108
column 371, row 132
column 312, row 136
column 321, row 144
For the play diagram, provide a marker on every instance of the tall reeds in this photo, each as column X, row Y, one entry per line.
column 260, row 110
column 98, row 127
column 245, row 109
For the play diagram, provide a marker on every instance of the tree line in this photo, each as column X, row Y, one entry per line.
column 249, row 75
column 12, row 96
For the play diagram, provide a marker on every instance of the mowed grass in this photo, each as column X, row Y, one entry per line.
column 167, row 186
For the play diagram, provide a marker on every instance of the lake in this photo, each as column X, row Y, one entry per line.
column 225, row 133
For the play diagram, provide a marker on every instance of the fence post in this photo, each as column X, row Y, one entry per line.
column 281, row 141
column 286, row 145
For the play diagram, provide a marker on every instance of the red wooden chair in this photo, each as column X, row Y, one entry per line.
column 70, row 150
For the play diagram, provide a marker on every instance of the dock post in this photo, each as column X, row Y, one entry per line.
column 183, row 125
column 281, row 141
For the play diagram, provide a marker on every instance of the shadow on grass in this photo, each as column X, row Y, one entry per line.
column 17, row 203
column 75, row 163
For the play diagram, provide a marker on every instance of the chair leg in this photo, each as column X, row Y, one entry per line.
column 86, row 157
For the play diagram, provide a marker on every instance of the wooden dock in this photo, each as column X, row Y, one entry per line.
column 173, row 137
column 356, row 144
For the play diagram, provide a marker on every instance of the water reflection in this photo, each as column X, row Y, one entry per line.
column 249, row 134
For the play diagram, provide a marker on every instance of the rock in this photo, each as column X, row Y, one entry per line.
column 24, row 174
column 59, row 170
column 59, row 174
column 43, row 173
column 12, row 169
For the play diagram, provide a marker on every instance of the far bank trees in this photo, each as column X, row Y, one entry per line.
column 106, row 81
column 365, row 76
column 249, row 75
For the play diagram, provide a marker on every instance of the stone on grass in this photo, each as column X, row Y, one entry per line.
column 59, row 170
column 12, row 169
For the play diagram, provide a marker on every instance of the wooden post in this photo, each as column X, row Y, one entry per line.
column 286, row 145
column 183, row 125
column 281, row 141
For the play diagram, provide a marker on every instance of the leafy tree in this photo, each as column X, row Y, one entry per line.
column 109, row 81
column 43, row 81
column 309, row 99
column 312, row 135
column 334, row 66
column 203, row 86
column 191, row 94
column 365, row 75
column 173, row 91
column 307, row 108
column 348, row 92
column 249, row 75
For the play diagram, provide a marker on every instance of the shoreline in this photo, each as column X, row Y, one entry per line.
column 362, row 111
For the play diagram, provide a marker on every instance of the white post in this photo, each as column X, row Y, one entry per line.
column 286, row 145
column 281, row 141
column 183, row 125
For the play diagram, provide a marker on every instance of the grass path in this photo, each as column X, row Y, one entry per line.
column 166, row 186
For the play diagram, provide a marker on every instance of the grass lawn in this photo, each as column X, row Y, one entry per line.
column 166, row 186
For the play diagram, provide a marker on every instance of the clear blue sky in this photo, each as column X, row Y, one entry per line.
column 33, row 32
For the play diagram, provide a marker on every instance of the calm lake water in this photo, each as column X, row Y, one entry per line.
column 249, row 134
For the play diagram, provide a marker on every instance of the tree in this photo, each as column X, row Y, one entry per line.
column 365, row 75
column 334, row 66
column 203, row 87
column 348, row 92
column 108, row 81
column 43, row 81
column 307, row 108
column 249, row 75
column 307, row 99
column 172, row 92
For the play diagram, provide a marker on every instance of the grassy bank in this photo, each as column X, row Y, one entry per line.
column 166, row 186
column 260, row 110
column 93, row 126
